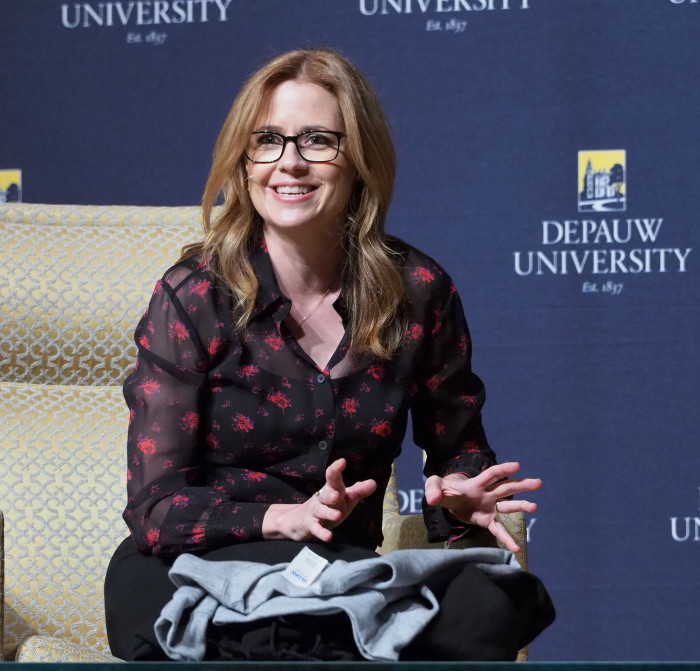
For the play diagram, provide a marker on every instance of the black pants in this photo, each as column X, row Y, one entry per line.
column 481, row 618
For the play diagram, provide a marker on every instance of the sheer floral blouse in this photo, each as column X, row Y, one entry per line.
column 223, row 427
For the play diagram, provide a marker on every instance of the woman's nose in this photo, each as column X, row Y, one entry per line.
column 290, row 159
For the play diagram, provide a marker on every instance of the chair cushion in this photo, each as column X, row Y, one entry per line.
column 62, row 490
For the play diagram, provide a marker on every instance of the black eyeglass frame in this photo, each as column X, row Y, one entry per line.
column 295, row 140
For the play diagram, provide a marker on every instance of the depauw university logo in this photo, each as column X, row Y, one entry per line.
column 10, row 186
column 602, row 180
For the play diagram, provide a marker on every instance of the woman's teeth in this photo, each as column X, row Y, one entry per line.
column 292, row 190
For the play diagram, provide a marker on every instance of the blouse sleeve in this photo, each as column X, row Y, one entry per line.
column 446, row 409
column 170, row 509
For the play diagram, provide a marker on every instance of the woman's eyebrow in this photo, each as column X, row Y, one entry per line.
column 304, row 129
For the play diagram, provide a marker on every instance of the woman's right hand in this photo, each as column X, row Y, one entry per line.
column 321, row 512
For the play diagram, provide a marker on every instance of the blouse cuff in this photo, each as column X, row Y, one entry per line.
column 240, row 522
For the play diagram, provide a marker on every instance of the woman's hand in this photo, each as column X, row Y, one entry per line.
column 474, row 500
column 321, row 512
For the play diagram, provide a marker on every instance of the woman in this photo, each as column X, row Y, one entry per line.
column 279, row 359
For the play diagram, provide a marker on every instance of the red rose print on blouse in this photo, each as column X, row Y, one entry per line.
column 468, row 400
column 422, row 275
column 280, row 400
column 414, row 332
column 438, row 323
column 145, row 342
column 190, row 422
column 243, row 423
column 349, row 407
column 377, row 371
column 381, row 428
column 152, row 536
column 178, row 331
column 253, row 476
column 201, row 288
column 147, row 445
column 198, row 531
column 150, row 386
column 216, row 344
column 275, row 341
column 248, row 371
column 434, row 382
column 180, row 500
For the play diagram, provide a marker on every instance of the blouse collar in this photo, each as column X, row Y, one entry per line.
column 270, row 297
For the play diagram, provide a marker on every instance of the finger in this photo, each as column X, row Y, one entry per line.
column 433, row 490
column 329, row 514
column 510, row 487
column 516, row 506
column 360, row 490
column 493, row 474
column 322, row 533
column 334, row 489
column 502, row 535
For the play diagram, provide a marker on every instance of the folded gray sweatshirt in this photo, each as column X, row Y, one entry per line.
column 385, row 597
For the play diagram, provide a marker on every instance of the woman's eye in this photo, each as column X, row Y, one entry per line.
column 317, row 140
column 268, row 138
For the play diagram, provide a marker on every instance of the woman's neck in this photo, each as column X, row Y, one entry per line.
column 305, row 265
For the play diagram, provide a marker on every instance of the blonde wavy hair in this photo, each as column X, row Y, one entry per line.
column 373, row 287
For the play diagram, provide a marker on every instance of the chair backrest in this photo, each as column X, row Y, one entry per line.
column 74, row 281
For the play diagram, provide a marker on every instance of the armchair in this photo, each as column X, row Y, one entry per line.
column 73, row 283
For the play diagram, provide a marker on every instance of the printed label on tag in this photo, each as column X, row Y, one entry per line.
column 305, row 568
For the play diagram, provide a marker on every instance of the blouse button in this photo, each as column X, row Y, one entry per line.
column 320, row 378
column 322, row 445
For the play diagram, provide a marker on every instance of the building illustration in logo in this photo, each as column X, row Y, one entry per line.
column 602, row 177
column 10, row 186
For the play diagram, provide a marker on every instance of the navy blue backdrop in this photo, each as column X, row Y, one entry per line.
column 548, row 159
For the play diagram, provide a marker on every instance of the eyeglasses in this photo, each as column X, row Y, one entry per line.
column 314, row 146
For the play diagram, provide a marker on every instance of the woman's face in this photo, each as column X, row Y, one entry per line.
column 292, row 192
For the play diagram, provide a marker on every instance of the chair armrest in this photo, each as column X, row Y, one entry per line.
column 408, row 531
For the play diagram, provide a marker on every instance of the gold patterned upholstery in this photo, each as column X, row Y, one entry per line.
column 2, row 587
column 51, row 649
column 63, row 490
column 74, row 281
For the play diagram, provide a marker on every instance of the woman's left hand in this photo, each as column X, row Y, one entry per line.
column 474, row 500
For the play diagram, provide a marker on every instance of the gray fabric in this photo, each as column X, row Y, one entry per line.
column 385, row 597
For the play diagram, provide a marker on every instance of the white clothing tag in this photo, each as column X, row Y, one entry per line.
column 305, row 568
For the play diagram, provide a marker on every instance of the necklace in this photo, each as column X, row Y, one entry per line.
column 316, row 307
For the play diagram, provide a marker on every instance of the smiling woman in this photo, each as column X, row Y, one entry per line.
column 278, row 362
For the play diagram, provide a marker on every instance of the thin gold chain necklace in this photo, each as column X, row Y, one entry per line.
column 316, row 307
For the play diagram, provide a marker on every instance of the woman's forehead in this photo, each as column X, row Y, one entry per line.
column 300, row 101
